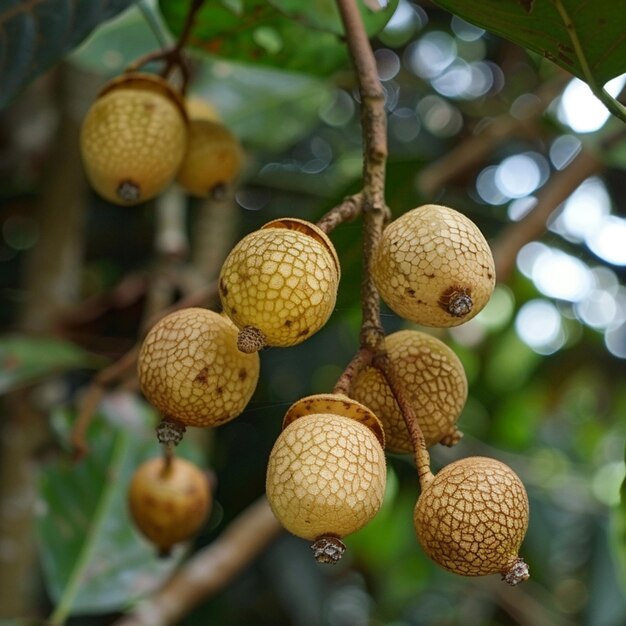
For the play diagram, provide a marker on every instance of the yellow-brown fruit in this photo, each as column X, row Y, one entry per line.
column 435, row 383
column 336, row 404
column 434, row 267
column 212, row 160
column 279, row 283
column 325, row 480
column 191, row 370
column 472, row 518
column 200, row 109
column 169, row 502
column 133, row 138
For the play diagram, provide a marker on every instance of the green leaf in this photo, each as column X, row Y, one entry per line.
column 25, row 360
column 539, row 26
column 618, row 533
column 37, row 34
column 258, row 34
column 323, row 14
column 93, row 558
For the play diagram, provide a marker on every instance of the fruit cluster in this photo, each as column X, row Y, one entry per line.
column 140, row 134
column 326, row 472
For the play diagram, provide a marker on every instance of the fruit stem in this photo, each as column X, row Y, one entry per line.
column 349, row 209
column 359, row 361
column 420, row 452
column 168, row 456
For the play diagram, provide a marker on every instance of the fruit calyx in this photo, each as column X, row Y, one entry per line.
column 328, row 549
column 170, row 431
column 250, row 339
column 518, row 573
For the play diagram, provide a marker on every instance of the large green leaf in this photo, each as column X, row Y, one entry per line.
column 540, row 26
column 37, row 33
column 254, row 31
column 25, row 360
column 93, row 558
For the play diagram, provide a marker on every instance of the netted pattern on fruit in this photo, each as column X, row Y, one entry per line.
column 434, row 267
column 326, row 476
column 436, row 386
column 133, row 141
column 191, row 370
column 472, row 518
column 280, row 281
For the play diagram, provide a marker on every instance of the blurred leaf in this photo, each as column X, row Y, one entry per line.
column 258, row 34
column 93, row 559
column 618, row 532
column 115, row 45
column 266, row 108
column 539, row 26
column 323, row 14
column 24, row 360
column 35, row 35
column 516, row 418
column 511, row 363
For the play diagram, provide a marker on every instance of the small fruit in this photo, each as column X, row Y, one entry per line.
column 169, row 502
column 213, row 158
column 434, row 380
column 191, row 370
column 472, row 518
column 325, row 480
column 279, row 284
column 133, row 138
column 434, row 267
column 200, row 109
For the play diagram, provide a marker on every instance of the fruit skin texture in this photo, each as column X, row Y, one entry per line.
column 213, row 158
column 472, row 518
column 133, row 139
column 169, row 505
column 434, row 380
column 434, row 267
column 200, row 109
column 281, row 281
column 191, row 370
column 326, row 476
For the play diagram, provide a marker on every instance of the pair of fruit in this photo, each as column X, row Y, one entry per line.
column 140, row 134
column 326, row 478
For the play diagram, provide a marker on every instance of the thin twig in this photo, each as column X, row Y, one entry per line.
column 347, row 211
column 358, row 363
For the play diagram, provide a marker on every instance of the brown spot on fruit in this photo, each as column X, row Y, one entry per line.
column 202, row 376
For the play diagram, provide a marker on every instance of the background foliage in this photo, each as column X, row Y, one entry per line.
column 545, row 360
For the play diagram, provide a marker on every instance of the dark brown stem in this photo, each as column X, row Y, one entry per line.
column 359, row 362
column 420, row 452
column 347, row 211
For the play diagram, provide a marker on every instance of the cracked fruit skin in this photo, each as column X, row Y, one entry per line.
column 326, row 476
column 434, row 380
column 213, row 158
column 169, row 504
column 472, row 517
column 191, row 370
column 133, row 138
column 434, row 267
column 279, row 283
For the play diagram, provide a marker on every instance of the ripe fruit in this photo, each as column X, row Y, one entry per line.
column 169, row 502
column 279, row 284
column 191, row 370
column 213, row 158
column 434, row 267
column 134, row 137
column 325, row 479
column 472, row 518
column 434, row 380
